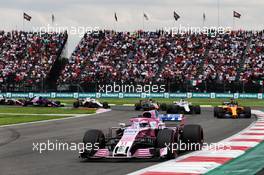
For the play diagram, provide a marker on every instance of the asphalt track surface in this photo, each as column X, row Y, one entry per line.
column 18, row 158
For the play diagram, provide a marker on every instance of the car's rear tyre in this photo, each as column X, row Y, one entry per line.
column 58, row 103
column 193, row 137
column 94, row 139
column 177, row 110
column 247, row 112
column 173, row 110
column 169, row 107
column 216, row 110
column 197, row 109
column 45, row 104
column 163, row 106
column 76, row 104
column 166, row 138
column 105, row 105
column 219, row 112
column 137, row 106
column 94, row 105
column 26, row 103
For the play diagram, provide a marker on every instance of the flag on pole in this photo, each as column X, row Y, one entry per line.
column 52, row 18
column 27, row 17
column 116, row 17
column 236, row 14
column 145, row 16
column 176, row 16
column 204, row 17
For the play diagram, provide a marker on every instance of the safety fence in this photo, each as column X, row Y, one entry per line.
column 135, row 95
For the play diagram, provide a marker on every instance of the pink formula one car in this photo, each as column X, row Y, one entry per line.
column 146, row 137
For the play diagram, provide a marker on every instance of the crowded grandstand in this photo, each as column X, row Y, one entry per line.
column 188, row 62
column 26, row 58
column 136, row 87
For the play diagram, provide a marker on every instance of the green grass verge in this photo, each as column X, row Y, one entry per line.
column 14, row 119
column 44, row 110
column 198, row 101
column 19, row 114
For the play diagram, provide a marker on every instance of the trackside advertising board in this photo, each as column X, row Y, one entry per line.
column 134, row 95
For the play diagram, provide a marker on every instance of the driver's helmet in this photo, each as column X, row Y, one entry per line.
column 182, row 100
column 146, row 115
column 233, row 102
column 93, row 100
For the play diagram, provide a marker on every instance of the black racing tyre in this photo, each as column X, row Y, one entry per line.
column 176, row 110
column 137, row 106
column 2, row 101
column 247, row 111
column 76, row 104
column 219, row 112
column 105, row 105
column 193, row 137
column 216, row 110
column 87, row 105
column 26, row 103
column 95, row 105
column 169, row 108
column 10, row 102
column 181, row 110
column 94, row 139
column 92, row 105
column 58, row 103
column 163, row 106
column 192, row 110
column 197, row 109
column 166, row 138
column 173, row 110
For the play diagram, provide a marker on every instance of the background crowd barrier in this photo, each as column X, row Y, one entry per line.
column 135, row 95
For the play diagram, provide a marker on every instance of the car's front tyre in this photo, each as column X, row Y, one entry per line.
column 193, row 137
column 93, row 139
column 76, row 104
column 247, row 112
column 166, row 138
column 197, row 109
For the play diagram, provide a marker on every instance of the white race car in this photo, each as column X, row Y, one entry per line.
column 181, row 107
column 10, row 101
column 90, row 103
